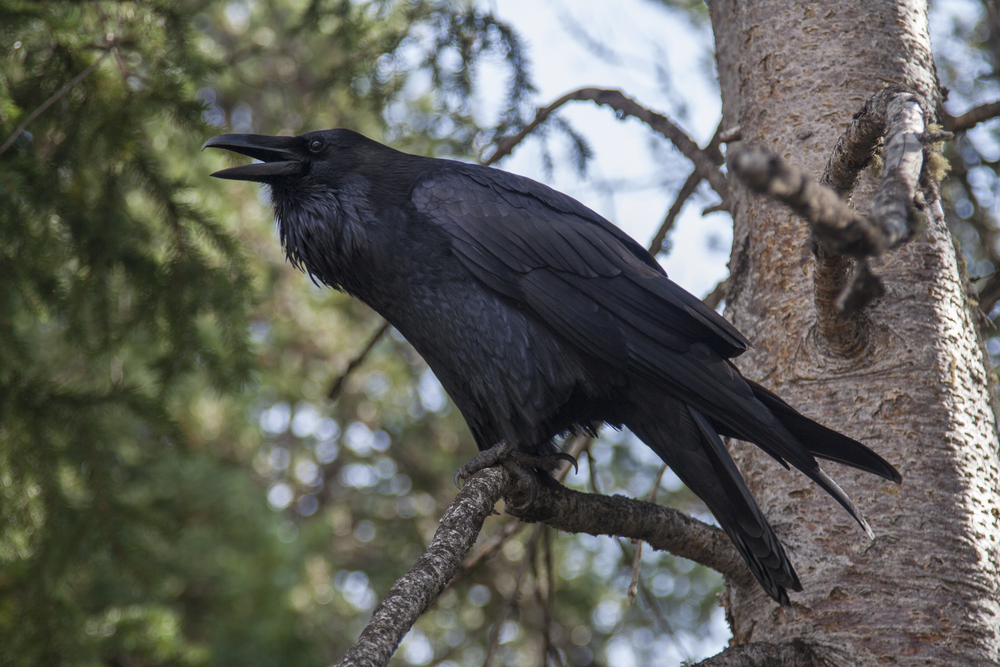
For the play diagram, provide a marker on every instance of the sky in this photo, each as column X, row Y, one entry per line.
column 657, row 58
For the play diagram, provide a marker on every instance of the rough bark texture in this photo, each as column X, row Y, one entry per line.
column 925, row 592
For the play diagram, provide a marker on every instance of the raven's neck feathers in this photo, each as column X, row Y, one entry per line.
column 325, row 229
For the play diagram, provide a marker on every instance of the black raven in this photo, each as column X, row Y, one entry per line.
column 539, row 317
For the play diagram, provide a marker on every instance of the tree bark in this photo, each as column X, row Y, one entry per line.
column 925, row 592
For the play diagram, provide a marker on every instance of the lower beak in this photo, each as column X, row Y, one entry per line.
column 280, row 159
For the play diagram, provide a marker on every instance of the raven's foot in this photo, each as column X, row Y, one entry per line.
column 516, row 462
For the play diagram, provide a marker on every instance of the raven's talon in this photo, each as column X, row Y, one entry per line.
column 518, row 471
column 563, row 456
column 517, row 463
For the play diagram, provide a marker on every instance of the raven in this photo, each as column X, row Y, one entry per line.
column 539, row 317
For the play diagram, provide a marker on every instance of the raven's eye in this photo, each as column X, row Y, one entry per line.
column 316, row 145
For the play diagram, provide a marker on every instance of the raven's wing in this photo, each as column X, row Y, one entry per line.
column 572, row 269
column 534, row 244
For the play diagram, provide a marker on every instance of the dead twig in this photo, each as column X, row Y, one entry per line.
column 514, row 599
column 338, row 384
column 893, row 119
column 624, row 106
column 972, row 117
column 633, row 585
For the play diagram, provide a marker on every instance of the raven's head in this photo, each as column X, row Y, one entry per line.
column 327, row 188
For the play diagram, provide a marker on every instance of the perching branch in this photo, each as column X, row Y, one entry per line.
column 972, row 117
column 895, row 118
column 662, row 528
column 415, row 591
column 703, row 160
column 493, row 545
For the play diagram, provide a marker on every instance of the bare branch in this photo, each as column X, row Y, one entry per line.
column 688, row 189
column 55, row 97
column 664, row 529
column 857, row 145
column 835, row 224
column 907, row 193
column 624, row 106
column 703, row 162
column 972, row 117
column 761, row 655
column 893, row 209
column 847, row 331
column 415, row 591
column 892, row 119
column 718, row 293
column 356, row 361
column 506, row 146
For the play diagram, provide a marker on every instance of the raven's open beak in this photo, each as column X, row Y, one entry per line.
column 278, row 154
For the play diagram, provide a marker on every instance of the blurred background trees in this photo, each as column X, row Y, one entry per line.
column 177, row 485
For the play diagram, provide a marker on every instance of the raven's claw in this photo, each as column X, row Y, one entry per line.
column 516, row 462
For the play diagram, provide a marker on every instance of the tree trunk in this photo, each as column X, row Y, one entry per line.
column 926, row 590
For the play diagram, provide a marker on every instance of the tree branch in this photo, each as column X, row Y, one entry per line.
column 662, row 528
column 688, row 189
column 703, row 160
column 972, row 117
column 506, row 146
column 356, row 361
column 895, row 117
column 718, row 293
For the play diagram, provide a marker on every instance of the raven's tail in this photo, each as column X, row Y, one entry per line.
column 823, row 442
column 687, row 441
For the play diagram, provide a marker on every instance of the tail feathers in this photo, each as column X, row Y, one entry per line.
column 825, row 443
column 691, row 446
column 792, row 432
column 834, row 490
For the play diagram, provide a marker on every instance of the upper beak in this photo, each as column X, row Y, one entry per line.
column 278, row 154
